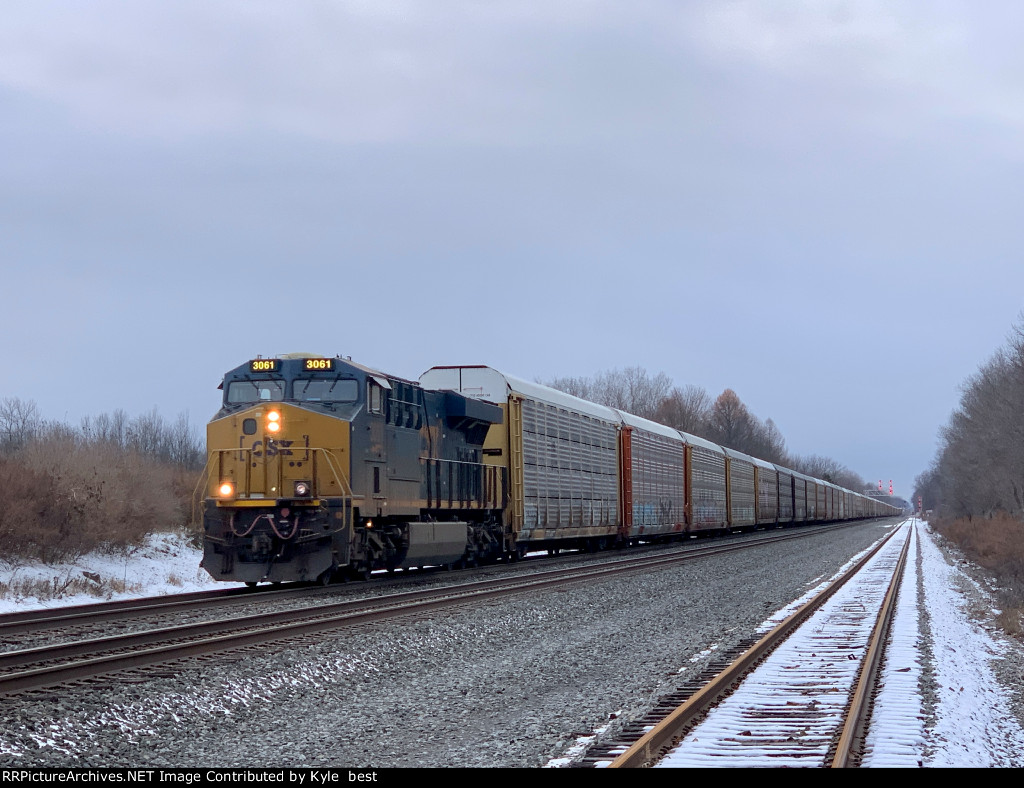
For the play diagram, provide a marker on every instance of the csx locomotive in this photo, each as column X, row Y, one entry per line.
column 320, row 467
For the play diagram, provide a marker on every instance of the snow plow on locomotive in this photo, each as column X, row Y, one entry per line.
column 320, row 468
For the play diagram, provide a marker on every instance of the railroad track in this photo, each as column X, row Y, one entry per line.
column 798, row 696
column 50, row 665
column 122, row 609
column 23, row 629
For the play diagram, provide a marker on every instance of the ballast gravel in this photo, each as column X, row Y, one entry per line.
column 508, row 683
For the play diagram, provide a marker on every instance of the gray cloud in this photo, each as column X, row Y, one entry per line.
column 812, row 203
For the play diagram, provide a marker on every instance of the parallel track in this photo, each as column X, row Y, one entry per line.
column 55, row 664
column 120, row 610
column 780, row 725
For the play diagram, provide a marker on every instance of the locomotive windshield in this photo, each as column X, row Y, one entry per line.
column 320, row 390
column 240, row 391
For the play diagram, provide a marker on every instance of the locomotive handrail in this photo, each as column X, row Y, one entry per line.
column 335, row 467
column 332, row 462
column 204, row 477
column 492, row 492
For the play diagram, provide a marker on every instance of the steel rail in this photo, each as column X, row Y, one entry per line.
column 214, row 636
column 649, row 747
column 856, row 717
column 50, row 618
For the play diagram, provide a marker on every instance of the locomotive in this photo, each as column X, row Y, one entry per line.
column 319, row 467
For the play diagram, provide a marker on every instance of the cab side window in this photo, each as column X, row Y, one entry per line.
column 374, row 397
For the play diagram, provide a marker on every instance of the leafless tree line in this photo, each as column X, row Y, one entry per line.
column 149, row 434
column 107, row 483
column 979, row 467
column 724, row 420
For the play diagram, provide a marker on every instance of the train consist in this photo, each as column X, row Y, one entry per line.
column 320, row 467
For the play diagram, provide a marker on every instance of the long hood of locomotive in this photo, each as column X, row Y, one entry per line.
column 259, row 464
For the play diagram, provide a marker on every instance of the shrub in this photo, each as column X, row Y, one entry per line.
column 67, row 497
column 996, row 544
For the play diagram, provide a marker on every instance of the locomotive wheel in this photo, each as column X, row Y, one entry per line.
column 363, row 573
column 251, row 583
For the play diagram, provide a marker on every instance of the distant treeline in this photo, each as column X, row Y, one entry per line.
column 106, row 483
column 724, row 420
column 979, row 467
column 973, row 492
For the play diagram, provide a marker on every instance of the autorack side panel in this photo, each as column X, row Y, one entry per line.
column 786, row 507
column 708, row 484
column 570, row 473
column 567, row 450
column 812, row 498
column 766, row 481
column 657, row 478
column 741, row 489
column 799, row 497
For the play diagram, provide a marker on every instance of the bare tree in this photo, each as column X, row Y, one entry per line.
column 147, row 434
column 635, row 391
column 19, row 422
column 577, row 387
column 928, row 487
column 184, row 448
column 107, row 428
column 730, row 423
column 687, row 409
column 690, row 409
column 829, row 470
column 980, row 466
column 767, row 442
column 632, row 390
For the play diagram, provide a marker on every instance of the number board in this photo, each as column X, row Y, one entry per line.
column 263, row 365
column 318, row 364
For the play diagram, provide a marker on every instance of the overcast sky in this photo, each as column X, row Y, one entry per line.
column 816, row 204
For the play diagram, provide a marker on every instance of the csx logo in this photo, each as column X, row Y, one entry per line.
column 272, row 448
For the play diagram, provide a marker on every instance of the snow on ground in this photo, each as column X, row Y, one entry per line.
column 941, row 669
column 898, row 737
column 944, row 704
column 941, row 703
column 164, row 564
column 975, row 724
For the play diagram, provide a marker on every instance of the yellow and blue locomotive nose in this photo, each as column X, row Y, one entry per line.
column 277, row 492
column 269, row 451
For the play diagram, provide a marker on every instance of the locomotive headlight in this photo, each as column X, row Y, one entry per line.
column 227, row 489
column 273, row 421
column 301, row 489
